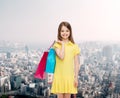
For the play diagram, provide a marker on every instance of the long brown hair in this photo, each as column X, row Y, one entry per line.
column 66, row 24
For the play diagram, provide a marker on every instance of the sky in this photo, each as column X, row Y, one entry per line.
column 37, row 21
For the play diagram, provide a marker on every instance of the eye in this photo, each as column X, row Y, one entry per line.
column 62, row 30
column 67, row 30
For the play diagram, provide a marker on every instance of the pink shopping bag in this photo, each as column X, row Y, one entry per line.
column 40, row 71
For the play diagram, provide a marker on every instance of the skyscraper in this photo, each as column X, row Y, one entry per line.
column 107, row 52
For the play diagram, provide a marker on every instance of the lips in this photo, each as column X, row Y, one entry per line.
column 65, row 35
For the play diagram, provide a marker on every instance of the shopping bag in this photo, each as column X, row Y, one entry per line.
column 50, row 65
column 51, row 61
column 40, row 71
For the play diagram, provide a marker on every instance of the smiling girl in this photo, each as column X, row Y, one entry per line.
column 65, row 80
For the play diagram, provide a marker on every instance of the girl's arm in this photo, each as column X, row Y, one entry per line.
column 61, row 52
column 76, row 65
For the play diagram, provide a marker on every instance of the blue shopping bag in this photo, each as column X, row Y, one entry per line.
column 51, row 61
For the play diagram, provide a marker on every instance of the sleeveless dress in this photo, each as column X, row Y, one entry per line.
column 63, row 81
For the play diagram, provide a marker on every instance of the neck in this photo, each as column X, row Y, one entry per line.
column 65, row 40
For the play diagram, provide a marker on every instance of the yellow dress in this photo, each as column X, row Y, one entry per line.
column 63, row 81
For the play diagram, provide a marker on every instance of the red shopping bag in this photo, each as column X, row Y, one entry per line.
column 40, row 71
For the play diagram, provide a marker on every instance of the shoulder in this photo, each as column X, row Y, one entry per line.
column 76, row 49
column 56, row 45
column 76, row 45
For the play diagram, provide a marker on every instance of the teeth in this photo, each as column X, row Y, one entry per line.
column 65, row 35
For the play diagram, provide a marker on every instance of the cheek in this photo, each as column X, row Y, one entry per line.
column 69, row 33
column 61, row 34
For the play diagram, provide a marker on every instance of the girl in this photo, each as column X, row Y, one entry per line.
column 65, row 80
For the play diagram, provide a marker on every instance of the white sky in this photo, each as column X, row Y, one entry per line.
column 38, row 20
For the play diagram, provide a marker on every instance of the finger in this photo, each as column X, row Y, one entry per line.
column 75, row 84
column 58, row 41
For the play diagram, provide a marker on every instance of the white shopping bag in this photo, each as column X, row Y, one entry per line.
column 50, row 78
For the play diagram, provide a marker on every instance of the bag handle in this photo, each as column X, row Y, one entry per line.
column 51, row 45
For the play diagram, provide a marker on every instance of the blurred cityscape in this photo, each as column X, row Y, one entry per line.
column 99, row 74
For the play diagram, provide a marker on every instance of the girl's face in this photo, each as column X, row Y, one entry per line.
column 65, row 33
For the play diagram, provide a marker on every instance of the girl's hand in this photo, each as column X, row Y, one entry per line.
column 75, row 82
column 60, row 42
